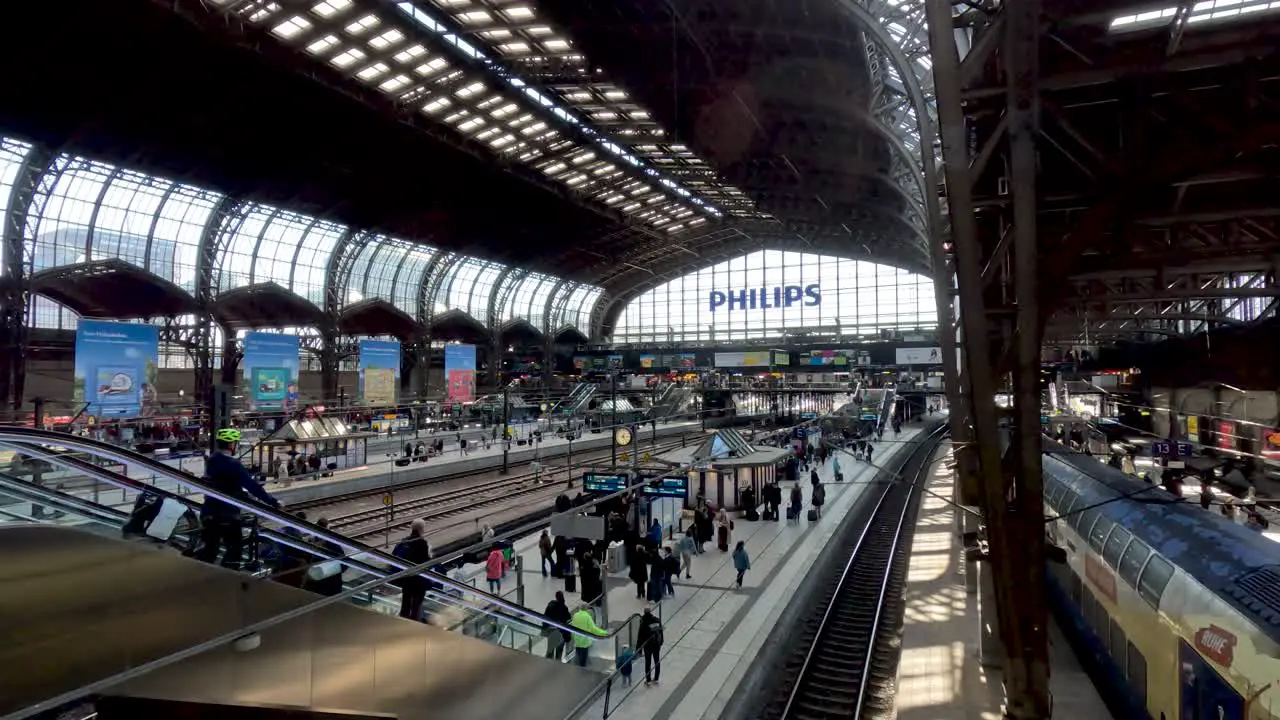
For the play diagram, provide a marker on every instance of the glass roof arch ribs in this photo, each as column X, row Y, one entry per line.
column 877, row 18
column 22, row 169
column 547, row 308
column 499, row 294
column 337, row 280
column 435, row 285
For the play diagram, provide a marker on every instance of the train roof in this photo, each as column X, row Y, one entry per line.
column 1238, row 564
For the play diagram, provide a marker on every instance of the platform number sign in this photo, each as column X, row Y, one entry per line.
column 1167, row 448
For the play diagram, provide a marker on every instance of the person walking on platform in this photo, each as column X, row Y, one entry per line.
column 686, row 544
column 639, row 570
column 649, row 640
column 797, row 501
column 414, row 550
column 495, row 566
column 557, row 611
column 670, row 570
column 741, row 562
column 584, row 622
column 819, row 499
column 544, row 550
column 724, row 530
column 835, row 469
column 220, row 521
column 870, row 449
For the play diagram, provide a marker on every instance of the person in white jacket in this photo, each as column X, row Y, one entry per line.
column 686, row 547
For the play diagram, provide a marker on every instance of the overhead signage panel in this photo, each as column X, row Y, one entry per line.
column 604, row 482
column 919, row 356
column 782, row 296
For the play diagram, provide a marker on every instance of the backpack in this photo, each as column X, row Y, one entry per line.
column 401, row 550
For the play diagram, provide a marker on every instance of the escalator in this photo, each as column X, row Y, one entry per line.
column 576, row 401
column 887, row 404
column 71, row 521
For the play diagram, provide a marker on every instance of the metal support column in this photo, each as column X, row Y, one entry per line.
column 1012, row 510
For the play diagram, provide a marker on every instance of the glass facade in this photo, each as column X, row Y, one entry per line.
column 770, row 293
column 95, row 211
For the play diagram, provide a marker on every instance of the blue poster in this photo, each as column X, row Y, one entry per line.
column 379, row 371
column 116, row 368
column 460, row 373
column 270, row 366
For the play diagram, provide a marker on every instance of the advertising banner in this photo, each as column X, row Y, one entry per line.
column 270, row 366
column 1271, row 444
column 647, row 362
column 1193, row 428
column 460, row 373
column 1226, row 435
column 579, row 362
column 919, row 356
column 115, row 369
column 758, row 358
column 379, row 371
column 825, row 357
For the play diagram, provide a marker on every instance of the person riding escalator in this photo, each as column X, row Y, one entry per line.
column 221, row 526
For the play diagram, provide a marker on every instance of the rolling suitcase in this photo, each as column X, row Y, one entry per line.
column 813, row 514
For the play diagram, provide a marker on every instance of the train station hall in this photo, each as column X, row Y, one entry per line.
column 640, row 359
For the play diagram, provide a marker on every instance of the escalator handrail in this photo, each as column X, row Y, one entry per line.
column 31, row 435
column 66, row 501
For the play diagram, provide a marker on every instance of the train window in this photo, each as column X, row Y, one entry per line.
column 1053, row 492
column 1114, row 548
column 1119, row 644
column 1136, row 669
column 1077, row 588
column 1132, row 561
column 1098, row 535
column 1155, row 576
column 1103, row 627
column 1066, row 502
column 1090, row 607
column 1083, row 521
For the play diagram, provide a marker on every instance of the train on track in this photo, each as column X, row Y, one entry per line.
column 1179, row 606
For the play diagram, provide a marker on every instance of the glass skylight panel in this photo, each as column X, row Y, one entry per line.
column 436, row 105
column 475, row 17
column 394, row 83
column 555, row 45
column 502, row 141
column 518, row 12
column 410, row 53
column 347, row 58
column 321, row 46
column 498, row 34
column 470, row 125
column 539, row 30
column 386, row 39
column 329, row 8
column 431, row 67
column 1207, row 10
column 363, row 25
column 469, row 90
column 514, row 48
column 291, row 27
column 373, row 72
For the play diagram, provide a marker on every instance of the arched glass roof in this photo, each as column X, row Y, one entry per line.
column 86, row 210
column 803, row 292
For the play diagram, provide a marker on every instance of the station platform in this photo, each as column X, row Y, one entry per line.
column 714, row 631
column 940, row 674
column 380, row 470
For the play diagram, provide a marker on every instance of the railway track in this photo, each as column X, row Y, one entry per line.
column 442, row 506
column 840, row 645
column 585, row 457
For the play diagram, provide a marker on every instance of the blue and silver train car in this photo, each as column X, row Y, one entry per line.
column 1180, row 606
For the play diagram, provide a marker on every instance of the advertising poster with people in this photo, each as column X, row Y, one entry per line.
column 379, row 371
column 116, row 369
column 270, row 367
column 460, row 373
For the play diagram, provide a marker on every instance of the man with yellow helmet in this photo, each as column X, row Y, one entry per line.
column 220, row 520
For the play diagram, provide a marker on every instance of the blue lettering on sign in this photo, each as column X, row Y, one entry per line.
column 765, row 298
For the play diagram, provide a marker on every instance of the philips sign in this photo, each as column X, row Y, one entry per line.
column 766, row 298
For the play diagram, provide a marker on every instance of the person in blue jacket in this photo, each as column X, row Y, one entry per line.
column 220, row 521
